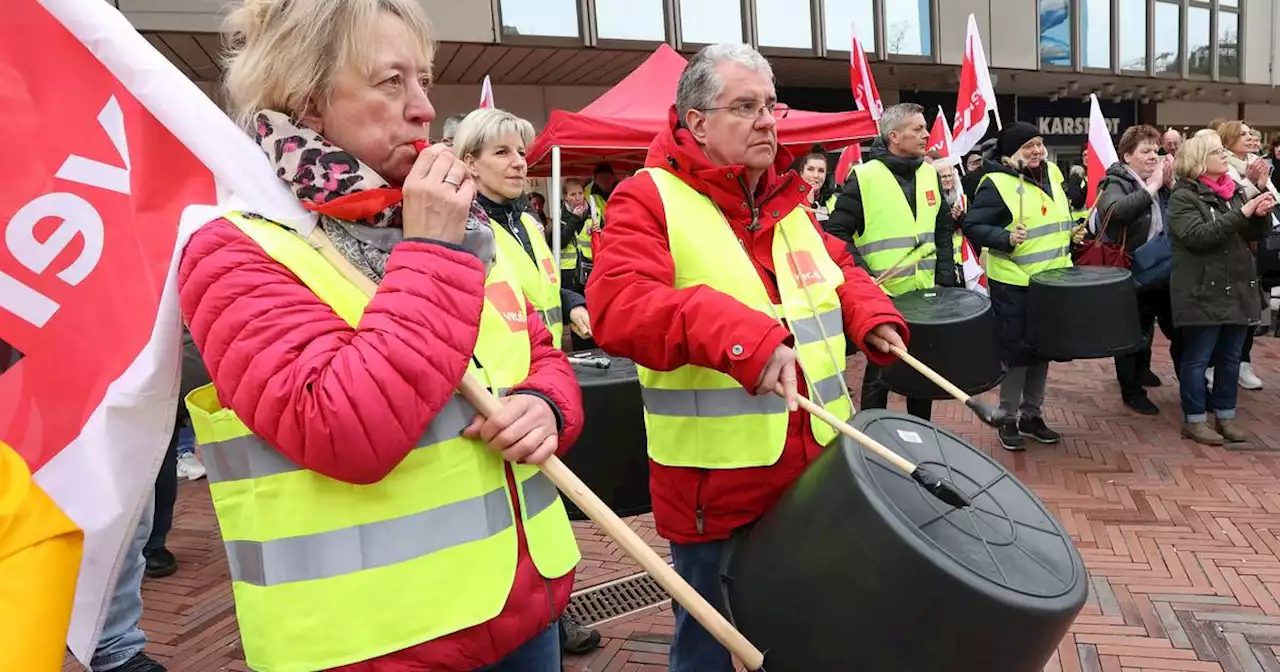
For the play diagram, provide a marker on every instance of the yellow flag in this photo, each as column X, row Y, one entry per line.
column 39, row 561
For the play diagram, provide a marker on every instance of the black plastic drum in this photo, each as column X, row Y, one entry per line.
column 1083, row 312
column 859, row 568
column 953, row 331
column 611, row 457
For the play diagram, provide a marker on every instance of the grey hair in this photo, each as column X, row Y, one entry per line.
column 700, row 83
column 894, row 117
column 450, row 129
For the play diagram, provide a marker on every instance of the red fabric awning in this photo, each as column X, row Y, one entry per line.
column 620, row 125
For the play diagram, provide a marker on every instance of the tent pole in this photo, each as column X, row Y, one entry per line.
column 554, row 204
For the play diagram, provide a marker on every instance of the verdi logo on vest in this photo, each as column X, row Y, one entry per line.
column 931, row 198
column 804, row 269
column 504, row 300
column 550, row 269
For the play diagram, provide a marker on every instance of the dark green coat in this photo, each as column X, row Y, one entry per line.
column 1215, row 275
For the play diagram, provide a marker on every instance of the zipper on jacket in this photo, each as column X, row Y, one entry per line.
column 700, row 510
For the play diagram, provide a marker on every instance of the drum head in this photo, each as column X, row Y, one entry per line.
column 1007, row 537
column 1082, row 276
column 941, row 306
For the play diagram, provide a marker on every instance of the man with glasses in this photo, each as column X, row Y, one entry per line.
column 713, row 277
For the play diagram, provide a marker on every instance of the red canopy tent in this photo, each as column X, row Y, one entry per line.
column 620, row 125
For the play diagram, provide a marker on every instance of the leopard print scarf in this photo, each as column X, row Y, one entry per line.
column 319, row 173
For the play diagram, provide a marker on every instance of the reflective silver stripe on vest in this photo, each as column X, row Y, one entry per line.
column 830, row 388
column 721, row 403
column 1049, row 229
column 906, row 242
column 807, row 330
column 352, row 549
column 584, row 243
column 539, row 493
column 251, row 457
column 551, row 318
column 927, row 265
column 1034, row 257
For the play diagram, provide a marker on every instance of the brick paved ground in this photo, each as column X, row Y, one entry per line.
column 1182, row 541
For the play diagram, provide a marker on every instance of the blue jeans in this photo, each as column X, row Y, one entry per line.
column 186, row 440
column 1218, row 346
column 540, row 654
column 122, row 639
column 693, row 649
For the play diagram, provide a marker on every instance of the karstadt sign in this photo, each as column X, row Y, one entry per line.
column 1072, row 125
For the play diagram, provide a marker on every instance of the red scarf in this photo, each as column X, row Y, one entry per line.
column 1222, row 185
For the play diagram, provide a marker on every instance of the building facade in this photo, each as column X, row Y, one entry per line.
column 1176, row 63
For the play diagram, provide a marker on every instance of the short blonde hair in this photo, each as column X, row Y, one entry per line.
column 483, row 126
column 1188, row 163
column 282, row 54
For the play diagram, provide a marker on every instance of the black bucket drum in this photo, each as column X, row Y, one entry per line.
column 953, row 331
column 611, row 456
column 1083, row 312
column 857, row 567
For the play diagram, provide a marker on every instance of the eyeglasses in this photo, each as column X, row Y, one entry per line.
column 754, row 109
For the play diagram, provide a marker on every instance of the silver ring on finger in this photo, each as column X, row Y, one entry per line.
column 456, row 185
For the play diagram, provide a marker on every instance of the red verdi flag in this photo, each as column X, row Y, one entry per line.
column 121, row 158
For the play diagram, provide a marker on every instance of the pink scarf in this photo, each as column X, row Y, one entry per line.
column 1223, row 185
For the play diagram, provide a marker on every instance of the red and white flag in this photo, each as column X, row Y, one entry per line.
column 850, row 157
column 121, row 159
column 975, row 277
column 940, row 138
column 1102, row 152
column 976, row 98
column 486, row 94
column 865, row 93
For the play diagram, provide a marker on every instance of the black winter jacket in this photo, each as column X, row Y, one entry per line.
column 984, row 223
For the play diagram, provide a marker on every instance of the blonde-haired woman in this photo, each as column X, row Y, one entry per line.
column 492, row 143
column 1214, row 287
column 1253, row 174
column 372, row 521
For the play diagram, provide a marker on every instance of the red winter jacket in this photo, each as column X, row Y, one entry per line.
column 351, row 403
column 636, row 313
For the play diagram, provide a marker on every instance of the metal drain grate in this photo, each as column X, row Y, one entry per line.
column 613, row 600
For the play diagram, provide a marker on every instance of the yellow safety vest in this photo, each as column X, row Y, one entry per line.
column 699, row 417
column 890, row 233
column 584, row 234
column 538, row 276
column 957, row 239
column 1049, row 225
column 327, row 573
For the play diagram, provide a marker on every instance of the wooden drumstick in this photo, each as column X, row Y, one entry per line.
column 586, row 500
column 984, row 411
column 897, row 267
column 927, row 479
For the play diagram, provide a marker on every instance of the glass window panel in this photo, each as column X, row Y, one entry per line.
column 545, row 18
column 784, row 23
column 1133, row 35
column 1055, row 32
column 711, row 21
column 1229, row 3
column 840, row 17
column 1199, row 56
column 1167, row 38
column 1228, row 44
column 906, row 27
column 1095, row 23
column 630, row 20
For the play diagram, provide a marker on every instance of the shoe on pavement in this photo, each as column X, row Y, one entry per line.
column 1036, row 430
column 161, row 564
column 140, row 663
column 1142, row 405
column 1009, row 436
column 1150, row 379
column 190, row 467
column 577, row 639
column 1248, row 379
column 1202, row 433
column 1231, row 431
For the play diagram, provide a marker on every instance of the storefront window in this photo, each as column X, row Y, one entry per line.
column 1133, row 35
column 1228, row 44
column 1095, row 21
column 1199, row 55
column 711, row 21
column 784, row 23
column 1167, row 38
column 1055, row 32
column 907, row 28
column 542, row 18
column 840, row 16
column 630, row 20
